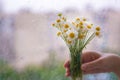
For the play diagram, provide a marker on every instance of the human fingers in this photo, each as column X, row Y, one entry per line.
column 92, row 65
column 90, row 56
column 94, row 70
column 67, row 67
column 67, row 74
column 67, row 64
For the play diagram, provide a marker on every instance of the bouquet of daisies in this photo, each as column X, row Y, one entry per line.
column 76, row 34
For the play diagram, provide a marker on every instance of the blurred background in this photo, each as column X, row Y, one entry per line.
column 29, row 47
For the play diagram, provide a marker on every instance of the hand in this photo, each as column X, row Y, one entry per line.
column 95, row 63
column 86, row 57
column 106, row 63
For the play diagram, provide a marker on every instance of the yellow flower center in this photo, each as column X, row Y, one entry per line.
column 97, row 33
column 77, row 25
column 71, row 35
column 59, row 33
column 84, row 19
column 60, row 14
column 65, row 30
column 69, row 42
column 97, row 28
column 89, row 26
column 53, row 24
column 58, row 20
column 81, row 27
column 81, row 23
column 66, row 26
column 78, row 19
column 64, row 18
column 81, row 36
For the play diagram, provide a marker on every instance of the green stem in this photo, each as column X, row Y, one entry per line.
column 75, row 66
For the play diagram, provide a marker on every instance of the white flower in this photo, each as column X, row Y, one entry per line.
column 59, row 33
column 72, row 34
column 78, row 25
column 88, row 25
column 77, row 21
column 69, row 42
column 66, row 26
column 59, row 23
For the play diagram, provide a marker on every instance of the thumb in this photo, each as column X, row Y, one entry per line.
column 91, row 65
